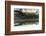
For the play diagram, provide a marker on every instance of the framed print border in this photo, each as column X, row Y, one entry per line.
column 8, row 17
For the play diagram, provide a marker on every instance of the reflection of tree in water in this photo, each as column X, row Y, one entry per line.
column 26, row 23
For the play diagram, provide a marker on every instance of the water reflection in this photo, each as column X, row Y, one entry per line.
column 25, row 23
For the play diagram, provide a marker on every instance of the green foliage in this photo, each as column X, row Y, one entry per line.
column 24, row 15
